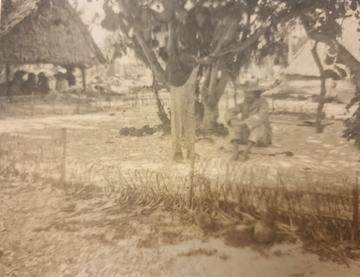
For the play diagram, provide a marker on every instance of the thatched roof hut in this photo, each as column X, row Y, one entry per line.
column 48, row 32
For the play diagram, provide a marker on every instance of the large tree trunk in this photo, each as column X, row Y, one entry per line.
column 7, row 78
column 214, row 87
column 209, row 121
column 183, row 117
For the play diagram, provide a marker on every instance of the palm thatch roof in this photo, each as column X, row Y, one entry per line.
column 46, row 31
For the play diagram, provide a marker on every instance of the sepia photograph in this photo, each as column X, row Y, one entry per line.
column 179, row 138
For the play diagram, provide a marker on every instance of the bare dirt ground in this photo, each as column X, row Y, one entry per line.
column 96, row 137
column 46, row 232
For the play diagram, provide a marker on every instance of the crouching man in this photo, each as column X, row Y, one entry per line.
column 249, row 122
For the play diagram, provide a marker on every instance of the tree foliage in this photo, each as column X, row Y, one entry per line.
column 172, row 36
column 214, row 29
column 325, row 24
column 116, row 46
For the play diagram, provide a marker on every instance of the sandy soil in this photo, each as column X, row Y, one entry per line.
column 45, row 232
column 96, row 137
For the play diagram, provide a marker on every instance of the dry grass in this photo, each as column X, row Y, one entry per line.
column 322, row 210
column 77, row 101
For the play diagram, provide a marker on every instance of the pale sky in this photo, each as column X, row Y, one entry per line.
column 95, row 7
column 90, row 10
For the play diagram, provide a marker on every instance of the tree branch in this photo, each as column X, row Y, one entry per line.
column 151, row 58
column 228, row 30
column 319, row 114
column 243, row 45
column 343, row 55
column 149, row 54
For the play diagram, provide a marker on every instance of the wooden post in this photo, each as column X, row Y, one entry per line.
column 235, row 97
column 190, row 125
column 273, row 103
column 355, row 224
column 176, row 126
column 32, row 103
column 7, row 76
column 191, row 181
column 83, row 76
column 64, row 154
column 227, row 107
column 83, row 79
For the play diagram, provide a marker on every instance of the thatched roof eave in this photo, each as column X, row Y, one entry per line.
column 20, row 11
column 30, row 34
